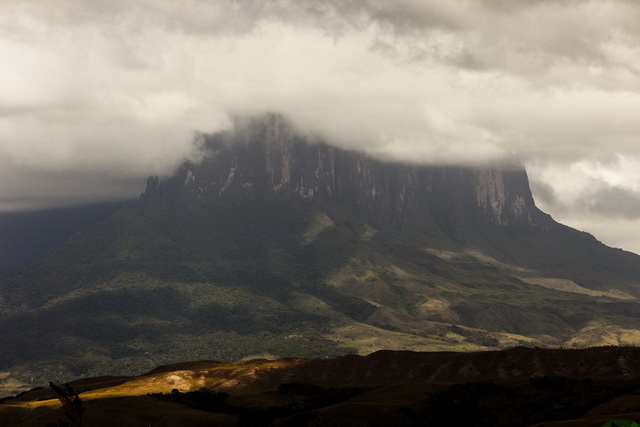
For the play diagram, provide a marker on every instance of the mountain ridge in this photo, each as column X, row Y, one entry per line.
column 401, row 387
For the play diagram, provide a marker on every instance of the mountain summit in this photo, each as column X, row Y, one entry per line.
column 276, row 244
column 266, row 159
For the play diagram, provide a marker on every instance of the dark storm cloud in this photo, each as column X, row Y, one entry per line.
column 611, row 202
column 544, row 193
column 616, row 202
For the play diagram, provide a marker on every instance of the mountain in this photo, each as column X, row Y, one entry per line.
column 513, row 387
column 443, row 207
column 28, row 236
column 276, row 243
column 267, row 160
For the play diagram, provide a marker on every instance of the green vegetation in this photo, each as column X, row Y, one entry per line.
column 231, row 279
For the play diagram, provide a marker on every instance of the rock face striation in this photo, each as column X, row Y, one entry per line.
column 266, row 159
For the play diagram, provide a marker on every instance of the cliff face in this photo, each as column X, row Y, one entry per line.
column 265, row 159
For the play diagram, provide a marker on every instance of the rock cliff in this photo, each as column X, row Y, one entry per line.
column 266, row 159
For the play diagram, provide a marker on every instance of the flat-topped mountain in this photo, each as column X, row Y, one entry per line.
column 266, row 160
column 449, row 207
column 280, row 244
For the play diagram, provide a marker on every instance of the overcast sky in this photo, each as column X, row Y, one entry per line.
column 95, row 95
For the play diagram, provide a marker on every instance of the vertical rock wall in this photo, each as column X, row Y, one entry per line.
column 265, row 159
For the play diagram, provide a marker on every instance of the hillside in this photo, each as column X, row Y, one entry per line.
column 502, row 388
column 279, row 245
column 28, row 236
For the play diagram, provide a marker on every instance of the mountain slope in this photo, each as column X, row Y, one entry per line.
column 275, row 244
column 28, row 236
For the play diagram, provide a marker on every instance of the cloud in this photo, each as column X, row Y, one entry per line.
column 617, row 202
column 602, row 201
column 600, row 196
column 117, row 89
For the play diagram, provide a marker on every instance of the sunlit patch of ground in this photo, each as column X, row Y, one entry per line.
column 320, row 223
column 366, row 339
column 219, row 376
column 596, row 334
column 564, row 285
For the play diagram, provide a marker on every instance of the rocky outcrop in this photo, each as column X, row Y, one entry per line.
column 266, row 159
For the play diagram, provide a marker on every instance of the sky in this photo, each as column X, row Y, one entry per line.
column 97, row 95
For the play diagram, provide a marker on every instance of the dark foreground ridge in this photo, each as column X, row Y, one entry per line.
column 515, row 387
